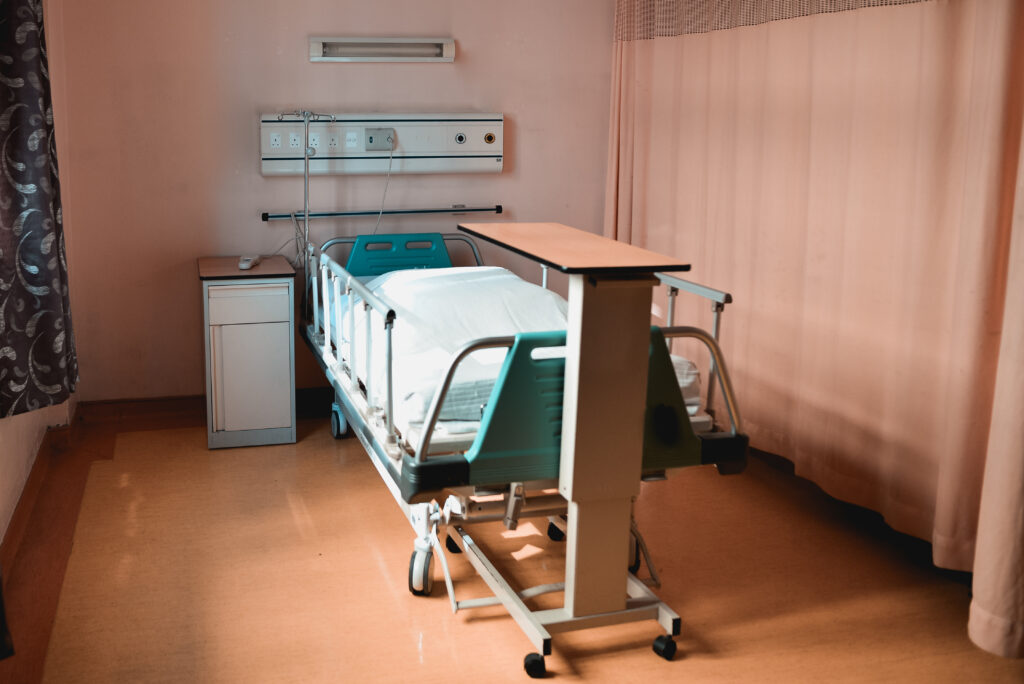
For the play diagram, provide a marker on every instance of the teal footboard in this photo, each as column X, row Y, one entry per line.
column 520, row 432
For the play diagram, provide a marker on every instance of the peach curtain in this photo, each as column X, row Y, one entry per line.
column 850, row 177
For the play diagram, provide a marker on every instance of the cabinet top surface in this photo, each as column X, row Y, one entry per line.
column 572, row 250
column 227, row 267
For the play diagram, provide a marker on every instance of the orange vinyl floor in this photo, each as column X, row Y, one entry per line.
column 149, row 558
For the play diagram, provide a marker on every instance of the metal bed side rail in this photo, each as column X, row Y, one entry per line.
column 718, row 299
column 447, row 237
column 353, row 284
column 722, row 372
column 333, row 276
column 434, row 412
column 717, row 296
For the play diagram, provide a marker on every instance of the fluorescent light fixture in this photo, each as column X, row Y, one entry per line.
column 381, row 49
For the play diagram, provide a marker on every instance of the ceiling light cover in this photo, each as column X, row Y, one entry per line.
column 381, row 49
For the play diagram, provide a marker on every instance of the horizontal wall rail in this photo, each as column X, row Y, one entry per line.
column 287, row 216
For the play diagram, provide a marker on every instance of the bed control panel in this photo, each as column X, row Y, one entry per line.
column 371, row 143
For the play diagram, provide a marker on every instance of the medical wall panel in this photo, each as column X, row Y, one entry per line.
column 379, row 143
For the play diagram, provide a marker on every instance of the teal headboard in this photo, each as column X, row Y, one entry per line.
column 374, row 255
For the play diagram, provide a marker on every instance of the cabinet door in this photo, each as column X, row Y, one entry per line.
column 252, row 376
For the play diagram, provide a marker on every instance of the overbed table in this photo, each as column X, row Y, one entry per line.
column 607, row 348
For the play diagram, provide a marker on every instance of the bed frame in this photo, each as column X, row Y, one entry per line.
column 515, row 452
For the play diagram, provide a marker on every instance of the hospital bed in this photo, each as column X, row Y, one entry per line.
column 452, row 377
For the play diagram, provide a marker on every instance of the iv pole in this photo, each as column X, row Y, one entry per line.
column 307, row 152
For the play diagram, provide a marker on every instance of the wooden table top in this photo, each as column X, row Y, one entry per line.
column 572, row 250
column 219, row 268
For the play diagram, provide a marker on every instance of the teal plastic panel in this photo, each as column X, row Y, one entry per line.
column 521, row 430
column 374, row 255
column 669, row 441
column 520, row 433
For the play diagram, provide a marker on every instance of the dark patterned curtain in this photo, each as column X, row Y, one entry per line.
column 38, row 365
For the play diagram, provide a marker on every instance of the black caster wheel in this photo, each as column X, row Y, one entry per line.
column 452, row 545
column 339, row 426
column 555, row 532
column 533, row 663
column 665, row 647
column 421, row 573
column 634, row 555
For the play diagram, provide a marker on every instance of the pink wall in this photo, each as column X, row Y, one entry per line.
column 157, row 110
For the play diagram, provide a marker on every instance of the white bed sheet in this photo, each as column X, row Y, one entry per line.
column 438, row 311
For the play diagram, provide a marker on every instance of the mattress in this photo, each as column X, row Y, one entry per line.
column 439, row 311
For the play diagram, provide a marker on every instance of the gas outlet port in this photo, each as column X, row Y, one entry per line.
column 489, row 138
column 379, row 138
column 460, row 138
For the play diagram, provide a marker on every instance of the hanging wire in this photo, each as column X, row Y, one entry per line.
column 391, row 157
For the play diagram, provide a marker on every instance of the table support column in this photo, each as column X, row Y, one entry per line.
column 607, row 349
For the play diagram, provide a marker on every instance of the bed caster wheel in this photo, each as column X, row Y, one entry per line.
column 452, row 545
column 555, row 533
column 634, row 555
column 421, row 573
column 533, row 663
column 338, row 423
column 665, row 647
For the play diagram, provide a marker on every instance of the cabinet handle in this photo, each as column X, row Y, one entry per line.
column 216, row 381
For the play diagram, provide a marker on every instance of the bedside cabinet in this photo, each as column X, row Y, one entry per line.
column 249, row 324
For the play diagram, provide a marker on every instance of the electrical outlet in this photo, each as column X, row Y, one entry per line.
column 379, row 138
column 295, row 140
column 332, row 142
column 314, row 141
column 275, row 141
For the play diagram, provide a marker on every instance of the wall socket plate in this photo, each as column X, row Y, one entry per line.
column 380, row 139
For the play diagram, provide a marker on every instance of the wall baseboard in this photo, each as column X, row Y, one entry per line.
column 55, row 439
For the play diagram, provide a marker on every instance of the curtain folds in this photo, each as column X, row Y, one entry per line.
column 997, row 609
column 38, row 364
column 646, row 19
column 850, row 177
